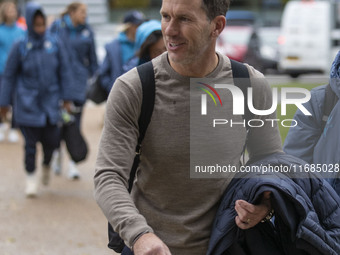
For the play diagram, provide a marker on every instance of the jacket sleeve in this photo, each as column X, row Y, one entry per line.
column 54, row 27
column 65, row 75
column 10, row 75
column 105, row 72
column 115, row 158
column 302, row 138
column 93, row 56
column 265, row 139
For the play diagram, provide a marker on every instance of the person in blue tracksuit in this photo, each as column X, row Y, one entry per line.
column 37, row 77
column 312, row 142
column 78, row 39
column 9, row 33
column 149, row 44
column 120, row 50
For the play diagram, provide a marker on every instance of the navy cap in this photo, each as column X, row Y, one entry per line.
column 134, row 17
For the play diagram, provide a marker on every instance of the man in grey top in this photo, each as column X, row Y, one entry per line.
column 167, row 211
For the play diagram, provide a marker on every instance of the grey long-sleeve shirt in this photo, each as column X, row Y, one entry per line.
column 165, row 200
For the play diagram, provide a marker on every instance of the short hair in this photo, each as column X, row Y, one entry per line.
column 214, row 8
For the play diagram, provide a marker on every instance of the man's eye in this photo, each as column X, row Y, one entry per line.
column 184, row 19
column 165, row 16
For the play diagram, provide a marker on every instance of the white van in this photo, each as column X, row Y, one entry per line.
column 309, row 37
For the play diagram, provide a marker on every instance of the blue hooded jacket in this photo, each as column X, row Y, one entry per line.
column 120, row 54
column 8, row 35
column 309, row 141
column 37, row 77
column 80, row 47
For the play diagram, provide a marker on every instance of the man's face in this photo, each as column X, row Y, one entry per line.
column 186, row 31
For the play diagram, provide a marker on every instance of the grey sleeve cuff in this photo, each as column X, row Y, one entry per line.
column 138, row 236
column 131, row 233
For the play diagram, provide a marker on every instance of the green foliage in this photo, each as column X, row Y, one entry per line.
column 291, row 109
column 130, row 3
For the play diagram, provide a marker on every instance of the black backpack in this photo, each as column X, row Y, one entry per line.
column 147, row 77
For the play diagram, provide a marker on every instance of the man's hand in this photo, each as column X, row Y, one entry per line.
column 150, row 244
column 249, row 215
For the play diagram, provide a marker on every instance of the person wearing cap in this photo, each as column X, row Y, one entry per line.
column 149, row 44
column 120, row 50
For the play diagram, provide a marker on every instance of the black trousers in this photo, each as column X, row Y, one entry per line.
column 48, row 136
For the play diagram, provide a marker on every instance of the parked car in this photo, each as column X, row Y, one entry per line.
column 269, row 47
column 241, row 43
column 309, row 36
column 237, row 18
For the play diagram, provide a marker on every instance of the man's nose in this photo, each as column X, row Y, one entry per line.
column 172, row 28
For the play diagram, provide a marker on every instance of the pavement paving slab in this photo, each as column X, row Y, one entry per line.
column 64, row 218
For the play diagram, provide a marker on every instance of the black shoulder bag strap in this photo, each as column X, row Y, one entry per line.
column 147, row 77
column 242, row 80
column 329, row 102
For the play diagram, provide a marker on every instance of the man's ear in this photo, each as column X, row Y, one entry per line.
column 219, row 24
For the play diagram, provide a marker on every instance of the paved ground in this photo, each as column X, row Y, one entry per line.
column 64, row 219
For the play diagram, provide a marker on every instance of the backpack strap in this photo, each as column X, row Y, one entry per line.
column 242, row 81
column 147, row 78
column 329, row 102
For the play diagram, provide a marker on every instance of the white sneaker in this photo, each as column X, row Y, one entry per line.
column 45, row 176
column 31, row 186
column 57, row 161
column 73, row 172
column 13, row 136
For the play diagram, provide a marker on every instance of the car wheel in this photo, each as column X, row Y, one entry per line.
column 294, row 75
